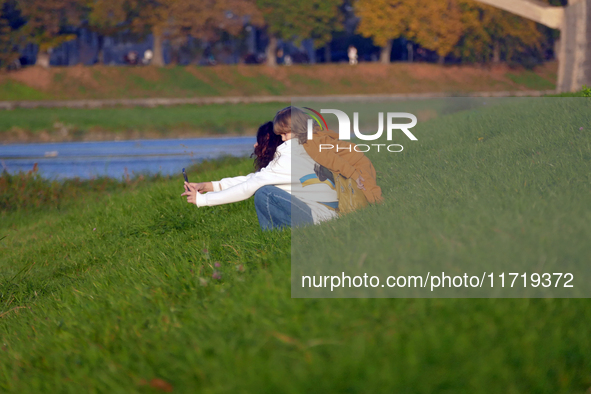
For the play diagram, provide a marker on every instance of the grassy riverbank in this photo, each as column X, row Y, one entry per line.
column 123, row 123
column 133, row 290
column 80, row 82
column 65, row 124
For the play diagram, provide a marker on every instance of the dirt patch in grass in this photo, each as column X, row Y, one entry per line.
column 35, row 77
column 464, row 77
column 83, row 76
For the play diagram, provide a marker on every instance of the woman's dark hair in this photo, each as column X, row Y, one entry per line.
column 267, row 142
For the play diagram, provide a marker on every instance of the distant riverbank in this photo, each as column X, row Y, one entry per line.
column 177, row 82
column 62, row 124
column 41, row 125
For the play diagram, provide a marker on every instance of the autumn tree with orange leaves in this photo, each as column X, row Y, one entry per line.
column 465, row 28
column 436, row 25
column 490, row 32
column 433, row 24
column 383, row 21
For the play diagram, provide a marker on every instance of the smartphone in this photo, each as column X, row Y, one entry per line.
column 185, row 176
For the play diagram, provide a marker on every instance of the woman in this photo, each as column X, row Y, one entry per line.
column 281, row 198
column 265, row 149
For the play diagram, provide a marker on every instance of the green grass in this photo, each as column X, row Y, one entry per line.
column 135, row 300
column 584, row 92
column 260, row 84
column 205, row 119
column 531, row 80
column 219, row 119
column 12, row 90
column 312, row 83
column 174, row 80
column 502, row 187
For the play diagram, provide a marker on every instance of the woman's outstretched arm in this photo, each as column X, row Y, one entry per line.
column 277, row 173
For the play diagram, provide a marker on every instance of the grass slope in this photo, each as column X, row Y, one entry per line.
column 80, row 82
column 502, row 187
column 136, row 306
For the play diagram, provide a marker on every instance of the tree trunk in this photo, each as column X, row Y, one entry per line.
column 158, row 59
column 272, row 52
column 42, row 59
column 440, row 59
column 327, row 53
column 385, row 52
column 410, row 50
column 496, row 53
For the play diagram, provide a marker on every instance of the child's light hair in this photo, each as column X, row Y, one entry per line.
column 292, row 120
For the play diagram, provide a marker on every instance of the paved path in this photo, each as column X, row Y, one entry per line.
column 154, row 102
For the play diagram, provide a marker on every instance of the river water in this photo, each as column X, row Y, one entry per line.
column 117, row 158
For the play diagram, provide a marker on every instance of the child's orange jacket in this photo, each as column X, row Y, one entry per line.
column 346, row 161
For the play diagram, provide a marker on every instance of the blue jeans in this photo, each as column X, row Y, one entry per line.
column 277, row 208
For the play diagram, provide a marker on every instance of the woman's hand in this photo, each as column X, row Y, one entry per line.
column 360, row 182
column 201, row 187
column 190, row 192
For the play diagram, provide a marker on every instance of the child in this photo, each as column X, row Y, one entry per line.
column 346, row 161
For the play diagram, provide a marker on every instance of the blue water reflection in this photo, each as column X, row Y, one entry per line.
column 116, row 158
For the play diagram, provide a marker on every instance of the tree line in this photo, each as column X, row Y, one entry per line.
column 464, row 29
